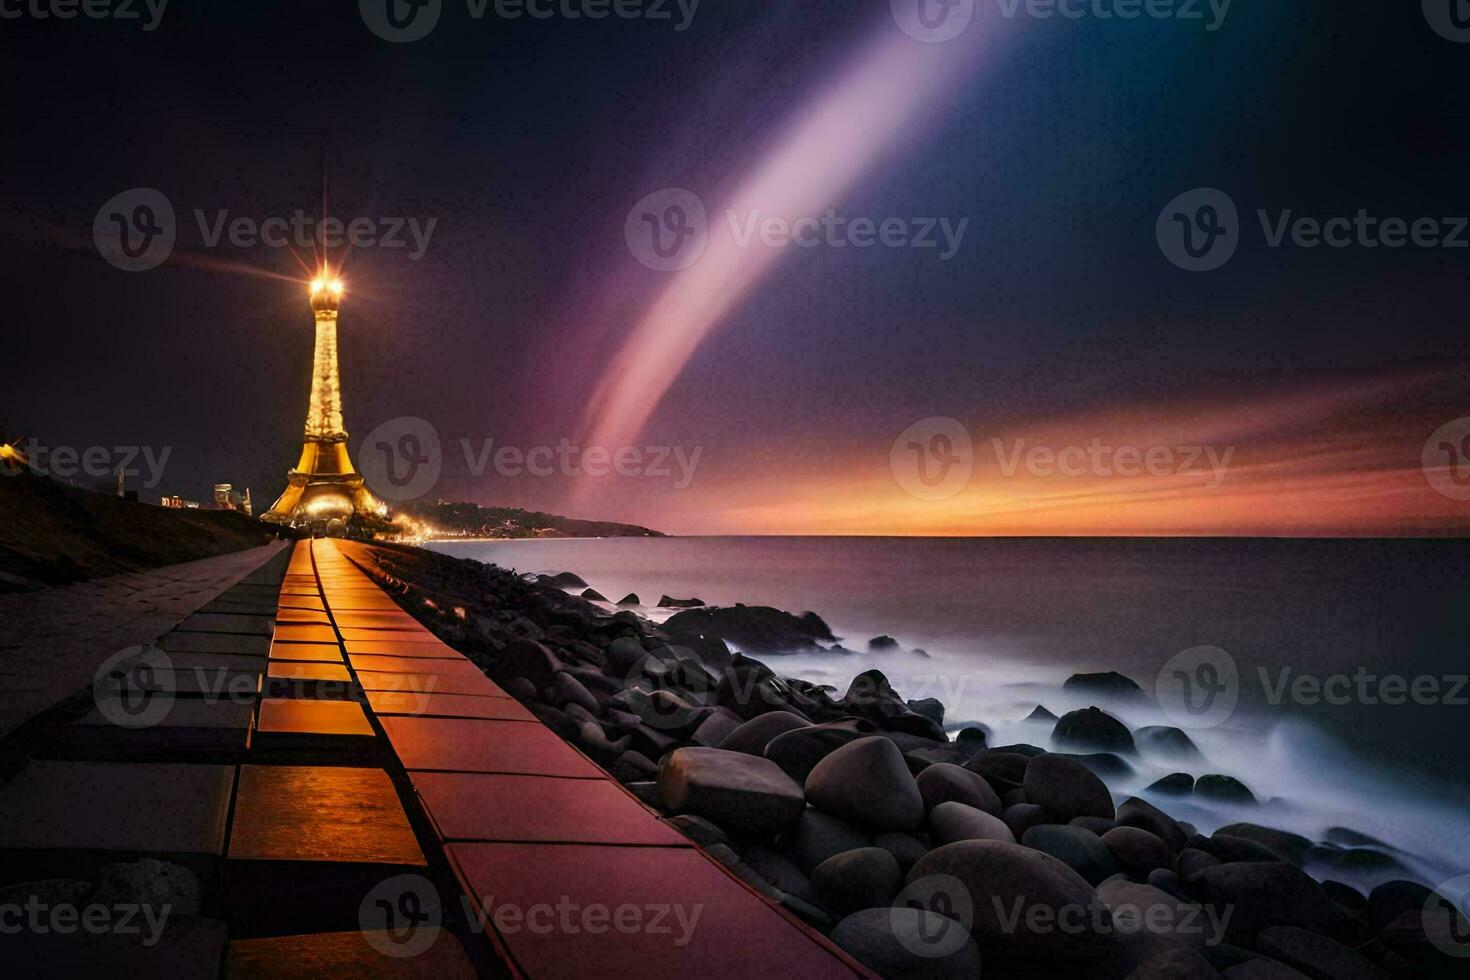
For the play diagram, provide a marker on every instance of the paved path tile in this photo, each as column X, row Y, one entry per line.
column 484, row 746
column 438, row 705
column 305, row 716
column 344, row 954
column 320, row 813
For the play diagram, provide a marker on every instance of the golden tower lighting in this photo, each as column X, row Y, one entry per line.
column 325, row 490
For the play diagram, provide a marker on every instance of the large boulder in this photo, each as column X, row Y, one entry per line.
column 1291, row 847
column 1138, row 851
column 818, row 836
column 1167, row 742
column 1002, row 769
column 1140, row 813
column 867, row 783
column 1077, row 847
column 1067, row 788
column 740, row 792
column 1265, row 894
column 1021, row 817
column 952, row 821
column 798, row 751
column 908, row 944
column 1092, row 730
column 529, row 659
column 1025, row 903
column 753, row 736
column 755, row 629
column 863, row 878
column 905, row 848
column 1223, row 789
column 870, row 696
column 946, row 783
column 1174, row 784
column 1106, row 684
column 1317, row 956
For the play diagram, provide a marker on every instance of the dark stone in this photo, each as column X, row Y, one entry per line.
column 1174, row 784
column 1107, row 765
column 519, row 688
column 1012, row 797
column 931, row 708
column 529, row 659
column 905, row 848
column 950, row 822
column 1167, row 742
column 703, row 832
column 1021, row 817
column 1138, row 851
column 870, row 696
column 631, row 599
column 1040, row 713
column 563, row 580
column 1317, row 956
column 942, row 783
column 632, row 767
column 1009, row 766
column 1109, row 684
column 1076, row 847
column 779, row 870
column 758, row 629
column 972, row 739
column 1346, row 896
column 1175, row 964
column 818, row 836
column 1067, row 788
column 901, row 943
column 883, row 643
column 1290, row 847
column 867, row 783
column 669, row 602
column 1168, row 880
column 1223, row 789
column 1005, row 878
column 1092, row 730
column 1265, row 894
column 1191, row 861
column 865, row 877
column 1391, row 899
column 799, row 750
column 717, row 726
column 742, row 792
column 754, row 735
column 1098, row 825
column 1228, row 848
column 1140, row 813
column 592, row 595
column 566, row 689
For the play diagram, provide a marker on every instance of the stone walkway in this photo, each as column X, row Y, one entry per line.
column 53, row 641
column 313, row 784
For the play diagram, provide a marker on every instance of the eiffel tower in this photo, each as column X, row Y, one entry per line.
column 325, row 491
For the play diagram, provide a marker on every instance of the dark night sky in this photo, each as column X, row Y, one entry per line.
column 529, row 141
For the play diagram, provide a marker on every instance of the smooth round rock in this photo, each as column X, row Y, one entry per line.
column 1067, row 788
column 1314, row 955
column 1142, row 814
column 946, row 783
column 1223, row 789
column 818, row 836
column 753, row 736
column 952, row 821
column 1092, row 730
column 864, row 878
column 867, row 783
column 1005, row 879
column 1077, row 847
column 905, row 848
column 798, row 751
column 1138, row 851
column 1021, row 817
column 901, row 943
column 741, row 792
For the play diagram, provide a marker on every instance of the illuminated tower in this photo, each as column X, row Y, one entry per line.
column 324, row 491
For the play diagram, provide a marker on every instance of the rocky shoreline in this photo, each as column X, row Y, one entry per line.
column 917, row 853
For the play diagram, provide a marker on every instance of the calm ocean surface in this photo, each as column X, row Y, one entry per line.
column 1004, row 621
